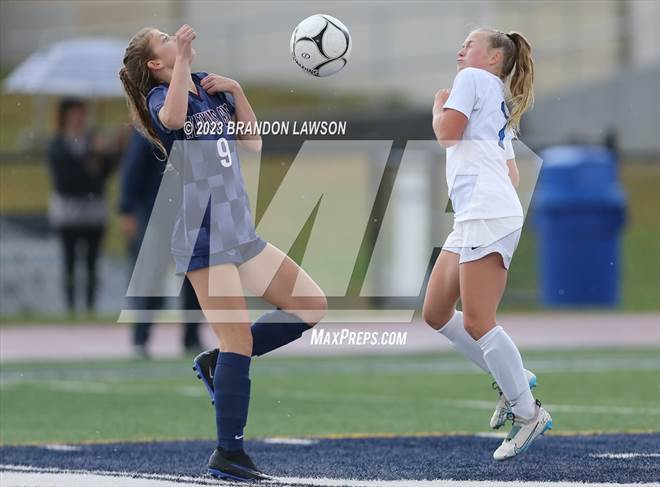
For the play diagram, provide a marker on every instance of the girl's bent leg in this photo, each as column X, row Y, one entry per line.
column 280, row 281
column 273, row 275
column 443, row 290
column 482, row 285
column 439, row 310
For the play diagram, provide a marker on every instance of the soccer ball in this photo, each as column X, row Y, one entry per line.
column 320, row 45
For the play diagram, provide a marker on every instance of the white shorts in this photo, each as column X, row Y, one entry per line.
column 474, row 239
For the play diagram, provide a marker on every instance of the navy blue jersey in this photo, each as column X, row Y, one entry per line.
column 210, row 173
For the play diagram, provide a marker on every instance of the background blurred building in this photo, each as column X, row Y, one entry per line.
column 409, row 47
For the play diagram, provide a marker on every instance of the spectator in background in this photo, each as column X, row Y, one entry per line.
column 141, row 174
column 80, row 162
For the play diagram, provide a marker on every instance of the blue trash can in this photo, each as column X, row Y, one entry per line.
column 579, row 212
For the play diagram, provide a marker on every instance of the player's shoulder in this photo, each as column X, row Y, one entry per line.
column 200, row 74
column 476, row 74
column 223, row 96
column 468, row 77
column 158, row 89
column 468, row 72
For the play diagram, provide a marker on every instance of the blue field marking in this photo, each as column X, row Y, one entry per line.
column 591, row 458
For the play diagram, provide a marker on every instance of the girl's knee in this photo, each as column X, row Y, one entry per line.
column 318, row 308
column 235, row 341
column 310, row 309
column 436, row 319
column 477, row 325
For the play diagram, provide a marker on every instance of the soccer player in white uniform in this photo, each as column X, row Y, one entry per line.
column 475, row 121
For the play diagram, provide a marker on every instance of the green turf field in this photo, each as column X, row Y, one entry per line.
column 597, row 390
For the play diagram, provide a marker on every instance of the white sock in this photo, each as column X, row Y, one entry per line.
column 505, row 364
column 455, row 332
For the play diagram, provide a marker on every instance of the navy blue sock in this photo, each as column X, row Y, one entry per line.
column 275, row 329
column 231, row 381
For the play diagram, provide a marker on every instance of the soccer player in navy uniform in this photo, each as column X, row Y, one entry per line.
column 224, row 253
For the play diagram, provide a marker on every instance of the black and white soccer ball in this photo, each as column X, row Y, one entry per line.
column 321, row 45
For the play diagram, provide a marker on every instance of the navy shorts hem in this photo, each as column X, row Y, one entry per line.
column 236, row 255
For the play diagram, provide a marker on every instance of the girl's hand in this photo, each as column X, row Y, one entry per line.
column 184, row 37
column 214, row 83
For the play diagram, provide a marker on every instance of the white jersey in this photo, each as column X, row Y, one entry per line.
column 477, row 172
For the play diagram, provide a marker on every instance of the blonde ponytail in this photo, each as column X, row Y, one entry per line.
column 516, row 61
column 521, row 85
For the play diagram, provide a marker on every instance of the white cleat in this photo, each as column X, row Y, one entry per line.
column 503, row 407
column 523, row 433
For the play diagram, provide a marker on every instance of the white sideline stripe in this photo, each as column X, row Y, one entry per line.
column 57, row 477
column 61, row 447
column 624, row 456
column 443, row 483
column 26, row 479
column 491, row 434
column 290, row 441
column 19, row 475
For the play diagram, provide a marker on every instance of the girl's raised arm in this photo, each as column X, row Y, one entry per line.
column 174, row 110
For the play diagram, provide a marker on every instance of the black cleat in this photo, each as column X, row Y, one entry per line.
column 204, row 366
column 234, row 466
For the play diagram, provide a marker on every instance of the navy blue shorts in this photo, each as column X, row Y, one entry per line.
column 236, row 255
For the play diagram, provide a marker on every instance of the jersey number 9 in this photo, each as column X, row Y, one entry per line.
column 224, row 152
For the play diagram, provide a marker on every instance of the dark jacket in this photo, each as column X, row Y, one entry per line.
column 79, row 179
column 79, row 175
column 141, row 173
